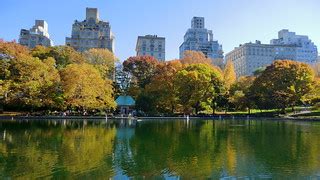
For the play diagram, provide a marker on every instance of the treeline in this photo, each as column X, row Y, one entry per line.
column 55, row 78
column 60, row 78
column 193, row 85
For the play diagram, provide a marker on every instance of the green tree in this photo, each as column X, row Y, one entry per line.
column 198, row 85
column 259, row 71
column 85, row 89
column 239, row 93
column 283, row 84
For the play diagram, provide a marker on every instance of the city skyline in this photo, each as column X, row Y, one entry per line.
column 233, row 22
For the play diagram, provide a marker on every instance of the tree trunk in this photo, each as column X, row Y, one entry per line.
column 172, row 109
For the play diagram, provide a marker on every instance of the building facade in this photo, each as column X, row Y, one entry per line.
column 248, row 57
column 151, row 45
column 37, row 35
column 91, row 33
column 198, row 38
column 306, row 50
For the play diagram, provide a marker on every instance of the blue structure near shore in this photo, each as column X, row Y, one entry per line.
column 125, row 104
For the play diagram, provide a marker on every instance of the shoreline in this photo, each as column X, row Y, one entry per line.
column 98, row 118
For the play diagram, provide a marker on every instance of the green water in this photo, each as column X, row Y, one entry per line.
column 160, row 149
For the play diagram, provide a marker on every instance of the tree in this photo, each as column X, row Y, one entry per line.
column 13, row 49
column 85, row 89
column 162, row 88
column 26, row 81
column 195, row 57
column 197, row 87
column 313, row 96
column 259, row 71
column 141, row 69
column 239, row 93
column 33, row 83
column 229, row 74
column 283, row 84
column 63, row 55
column 102, row 59
column 316, row 68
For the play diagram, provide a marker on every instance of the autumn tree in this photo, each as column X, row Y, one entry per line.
column 63, row 55
column 33, row 83
column 162, row 89
column 283, row 84
column 27, row 81
column 313, row 96
column 141, row 69
column 316, row 68
column 229, row 74
column 195, row 57
column 12, row 49
column 102, row 59
column 85, row 89
column 197, row 87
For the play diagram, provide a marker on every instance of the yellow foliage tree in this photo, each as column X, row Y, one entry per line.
column 229, row 74
column 32, row 82
column 84, row 88
column 316, row 68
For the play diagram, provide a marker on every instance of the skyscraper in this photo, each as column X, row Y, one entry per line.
column 37, row 35
column 91, row 33
column 198, row 38
column 151, row 45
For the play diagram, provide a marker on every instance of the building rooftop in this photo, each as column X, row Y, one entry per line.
column 151, row 36
column 125, row 101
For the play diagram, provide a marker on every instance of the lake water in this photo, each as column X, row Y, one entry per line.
column 160, row 149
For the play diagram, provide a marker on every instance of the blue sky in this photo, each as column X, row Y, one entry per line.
column 233, row 21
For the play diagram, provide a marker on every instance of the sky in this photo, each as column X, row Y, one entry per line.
column 233, row 22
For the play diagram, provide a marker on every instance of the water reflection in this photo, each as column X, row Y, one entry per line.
column 159, row 149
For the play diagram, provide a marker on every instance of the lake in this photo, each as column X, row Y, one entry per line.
column 159, row 149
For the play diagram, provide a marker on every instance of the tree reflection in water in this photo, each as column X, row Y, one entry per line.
column 159, row 148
